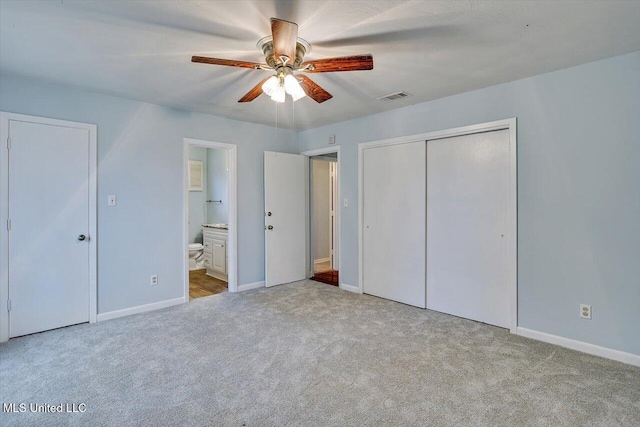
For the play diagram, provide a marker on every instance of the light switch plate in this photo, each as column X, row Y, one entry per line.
column 345, row 202
column 332, row 139
column 112, row 200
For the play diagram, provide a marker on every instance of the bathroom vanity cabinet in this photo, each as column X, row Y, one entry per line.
column 215, row 252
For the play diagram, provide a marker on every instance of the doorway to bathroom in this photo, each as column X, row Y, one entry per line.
column 210, row 218
column 324, row 236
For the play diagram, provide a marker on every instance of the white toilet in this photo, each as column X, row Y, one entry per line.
column 196, row 256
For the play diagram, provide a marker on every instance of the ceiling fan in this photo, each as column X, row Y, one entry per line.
column 284, row 54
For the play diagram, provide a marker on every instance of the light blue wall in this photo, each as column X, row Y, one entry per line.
column 218, row 186
column 578, row 190
column 197, row 199
column 140, row 159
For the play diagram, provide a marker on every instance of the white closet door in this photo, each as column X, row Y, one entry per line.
column 394, row 222
column 468, row 194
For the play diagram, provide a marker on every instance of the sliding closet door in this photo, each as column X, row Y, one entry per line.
column 468, row 200
column 394, row 222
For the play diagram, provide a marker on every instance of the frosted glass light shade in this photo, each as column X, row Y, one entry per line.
column 278, row 94
column 293, row 88
column 271, row 85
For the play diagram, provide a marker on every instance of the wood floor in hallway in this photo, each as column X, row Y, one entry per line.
column 323, row 273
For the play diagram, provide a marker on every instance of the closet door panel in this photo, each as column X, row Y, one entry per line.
column 468, row 196
column 394, row 196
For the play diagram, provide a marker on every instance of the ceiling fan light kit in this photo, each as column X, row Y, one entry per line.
column 277, row 86
column 284, row 53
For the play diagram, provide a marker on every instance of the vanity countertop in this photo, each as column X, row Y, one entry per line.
column 217, row 226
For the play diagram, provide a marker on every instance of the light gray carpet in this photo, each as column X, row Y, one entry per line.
column 309, row 354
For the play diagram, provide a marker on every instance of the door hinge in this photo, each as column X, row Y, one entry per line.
column 8, row 224
column 8, row 305
column 8, row 143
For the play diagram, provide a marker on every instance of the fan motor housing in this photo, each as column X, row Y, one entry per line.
column 266, row 47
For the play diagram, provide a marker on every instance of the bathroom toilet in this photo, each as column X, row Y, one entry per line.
column 196, row 256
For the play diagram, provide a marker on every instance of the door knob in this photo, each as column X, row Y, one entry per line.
column 270, row 227
column 81, row 237
column 268, row 213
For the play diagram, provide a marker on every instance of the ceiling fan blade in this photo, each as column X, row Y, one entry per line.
column 255, row 92
column 228, row 62
column 285, row 35
column 345, row 63
column 314, row 91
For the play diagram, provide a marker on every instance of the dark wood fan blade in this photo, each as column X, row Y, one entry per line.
column 285, row 35
column 228, row 62
column 314, row 91
column 255, row 92
column 345, row 63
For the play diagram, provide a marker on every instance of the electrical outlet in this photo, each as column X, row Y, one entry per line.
column 154, row 280
column 585, row 311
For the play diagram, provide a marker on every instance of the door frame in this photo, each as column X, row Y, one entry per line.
column 5, row 118
column 333, row 220
column 512, row 240
column 318, row 152
column 232, row 244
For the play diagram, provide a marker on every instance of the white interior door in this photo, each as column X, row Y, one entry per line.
column 468, row 194
column 49, row 214
column 285, row 218
column 394, row 222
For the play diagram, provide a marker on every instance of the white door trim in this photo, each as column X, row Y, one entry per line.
column 319, row 152
column 232, row 268
column 5, row 117
column 334, row 252
column 508, row 124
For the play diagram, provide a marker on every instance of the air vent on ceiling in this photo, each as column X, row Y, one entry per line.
column 394, row 96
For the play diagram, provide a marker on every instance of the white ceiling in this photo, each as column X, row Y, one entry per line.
column 431, row 49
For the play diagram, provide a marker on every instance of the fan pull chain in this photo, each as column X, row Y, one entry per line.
column 293, row 115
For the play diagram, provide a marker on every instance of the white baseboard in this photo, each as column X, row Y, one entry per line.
column 350, row 288
column 321, row 260
column 249, row 286
column 620, row 356
column 218, row 276
column 139, row 309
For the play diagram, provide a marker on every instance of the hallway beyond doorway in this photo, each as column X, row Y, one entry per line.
column 323, row 214
column 322, row 272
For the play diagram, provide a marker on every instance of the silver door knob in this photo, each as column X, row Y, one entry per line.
column 81, row 237
column 270, row 227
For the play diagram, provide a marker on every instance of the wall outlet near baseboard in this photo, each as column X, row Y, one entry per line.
column 154, row 279
column 585, row 311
